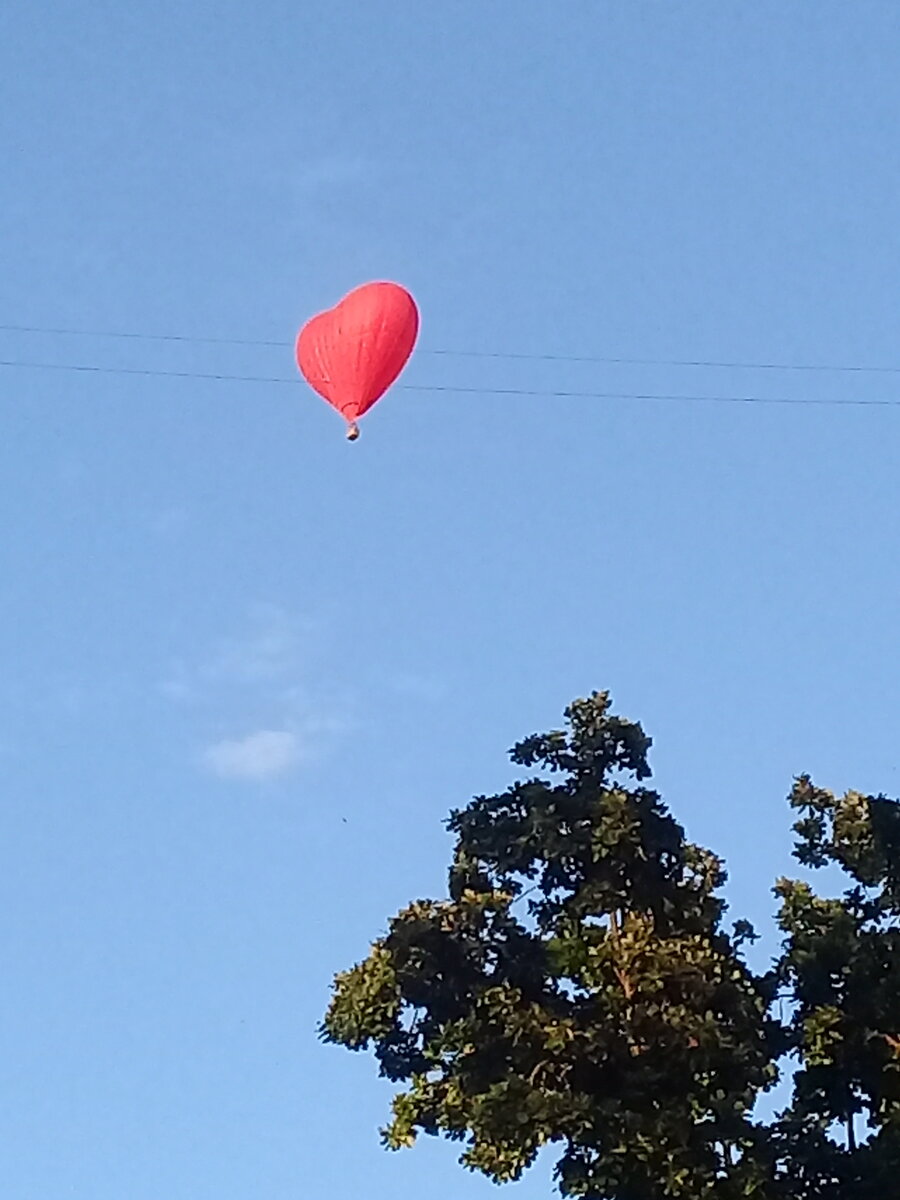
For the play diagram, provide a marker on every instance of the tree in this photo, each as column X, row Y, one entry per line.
column 841, row 969
column 579, row 989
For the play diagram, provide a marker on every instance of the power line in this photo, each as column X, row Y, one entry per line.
column 143, row 337
column 732, row 364
column 671, row 396
column 95, row 369
column 550, row 393
column 668, row 362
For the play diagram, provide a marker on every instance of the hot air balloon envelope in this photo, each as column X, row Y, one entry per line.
column 352, row 353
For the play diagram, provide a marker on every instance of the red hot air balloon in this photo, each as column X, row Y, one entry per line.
column 352, row 353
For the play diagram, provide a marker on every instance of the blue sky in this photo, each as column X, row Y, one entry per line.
column 246, row 668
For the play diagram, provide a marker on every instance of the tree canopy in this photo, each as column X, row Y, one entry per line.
column 579, row 989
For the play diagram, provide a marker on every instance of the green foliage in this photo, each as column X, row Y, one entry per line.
column 841, row 969
column 577, row 988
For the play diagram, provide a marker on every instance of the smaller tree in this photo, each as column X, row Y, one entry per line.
column 577, row 988
column 841, row 970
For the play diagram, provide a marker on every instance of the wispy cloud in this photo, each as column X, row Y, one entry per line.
column 261, row 755
column 179, row 684
column 257, row 697
column 271, row 649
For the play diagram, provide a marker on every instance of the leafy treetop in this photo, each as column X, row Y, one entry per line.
column 577, row 990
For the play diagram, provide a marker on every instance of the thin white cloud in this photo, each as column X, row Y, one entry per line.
column 178, row 686
column 261, row 755
column 262, row 683
column 272, row 649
